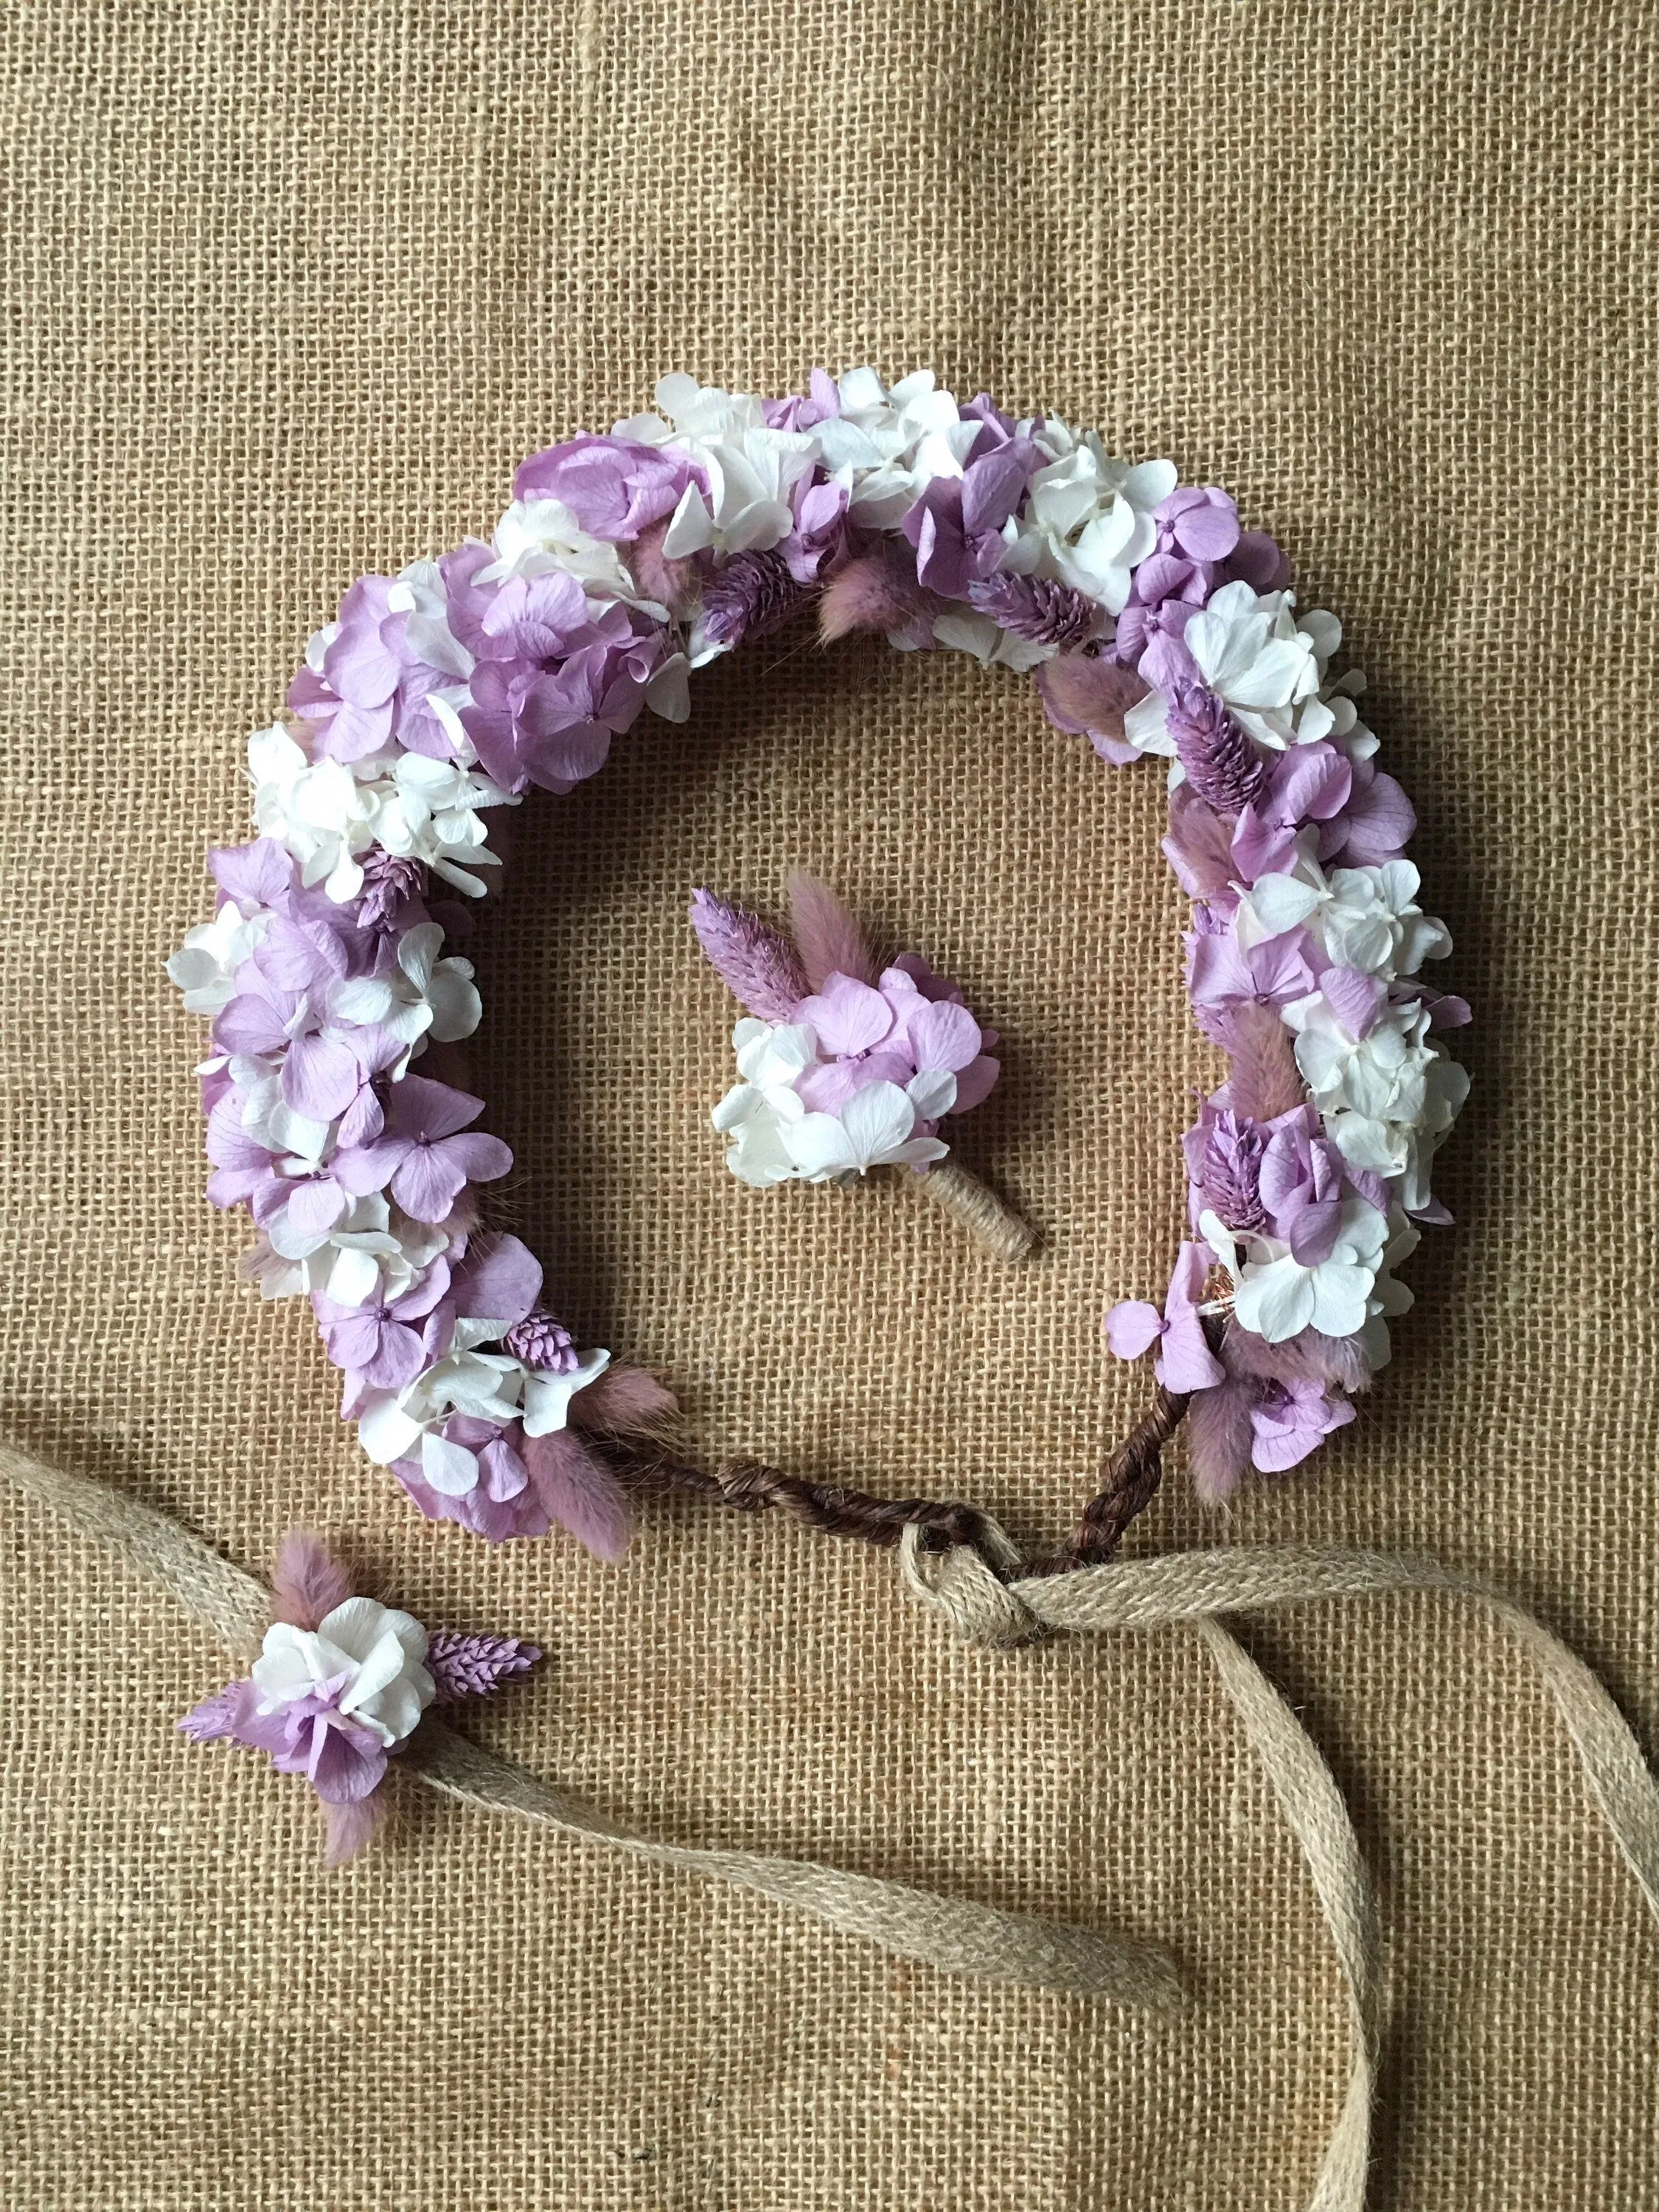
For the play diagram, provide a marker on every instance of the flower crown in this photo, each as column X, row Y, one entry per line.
column 337, row 1106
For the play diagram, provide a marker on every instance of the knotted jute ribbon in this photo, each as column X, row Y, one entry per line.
column 950, row 1933
column 983, row 1597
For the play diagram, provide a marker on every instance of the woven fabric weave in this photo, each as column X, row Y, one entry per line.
column 289, row 290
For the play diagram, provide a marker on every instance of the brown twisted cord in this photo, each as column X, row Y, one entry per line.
column 753, row 1487
column 1133, row 1475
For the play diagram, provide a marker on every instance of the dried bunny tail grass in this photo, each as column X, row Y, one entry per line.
column 308, row 1580
column 874, row 594
column 1334, row 1361
column 1265, row 1081
column 579, row 1491
column 349, row 1827
column 674, row 584
column 1219, row 1437
column 831, row 943
column 1086, row 691
column 625, row 1401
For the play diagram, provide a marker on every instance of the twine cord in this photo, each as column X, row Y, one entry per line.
column 982, row 1600
column 952, row 1934
column 1129, row 1482
column 977, row 1586
column 975, row 1206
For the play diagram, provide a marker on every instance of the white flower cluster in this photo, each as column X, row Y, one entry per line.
column 1085, row 519
column 378, row 1651
column 489, row 1386
column 773, row 1137
column 1267, row 665
column 328, row 813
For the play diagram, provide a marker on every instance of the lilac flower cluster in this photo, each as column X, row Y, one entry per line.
column 340, row 1686
column 338, row 1110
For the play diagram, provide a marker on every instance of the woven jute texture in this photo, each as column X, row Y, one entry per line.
column 289, row 291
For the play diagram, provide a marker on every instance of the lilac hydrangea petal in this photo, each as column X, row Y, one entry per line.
column 501, row 1471
column 846, row 1015
column 249, row 1024
column 1206, row 528
column 1381, row 820
column 1133, row 1326
column 418, row 1107
column 480, row 1158
column 1354, row 998
column 320, row 1077
column 944, row 1037
column 500, row 1279
column 975, row 1082
column 368, row 1168
column 428, row 1182
column 344, row 1765
column 316, row 1205
column 257, row 874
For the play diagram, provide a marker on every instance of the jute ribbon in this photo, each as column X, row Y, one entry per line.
column 992, row 1604
column 939, row 1931
column 984, row 1599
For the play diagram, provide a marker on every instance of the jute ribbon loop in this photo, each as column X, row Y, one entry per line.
column 949, row 1933
column 967, row 1589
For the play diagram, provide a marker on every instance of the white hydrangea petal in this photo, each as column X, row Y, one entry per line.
column 356, row 1626
column 450, row 1468
column 386, row 1431
column 819, row 1147
column 1275, row 1301
column 932, row 1092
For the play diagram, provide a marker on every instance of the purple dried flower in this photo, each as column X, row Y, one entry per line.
column 753, row 593
column 543, row 1344
column 1229, row 1169
column 1033, row 608
column 217, row 1716
column 391, row 881
column 463, row 1666
column 758, row 966
column 1222, row 764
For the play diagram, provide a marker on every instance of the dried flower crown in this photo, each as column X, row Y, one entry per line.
column 1156, row 625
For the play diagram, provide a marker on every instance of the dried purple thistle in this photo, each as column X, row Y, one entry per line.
column 760, row 967
column 391, row 881
column 1222, row 763
column 753, row 593
column 543, row 1343
column 463, row 1666
column 1230, row 1172
column 1032, row 607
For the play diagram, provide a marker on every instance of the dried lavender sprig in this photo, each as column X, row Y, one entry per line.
column 762, row 969
column 1033, row 608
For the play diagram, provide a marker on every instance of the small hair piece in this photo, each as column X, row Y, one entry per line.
column 844, row 1066
column 341, row 1683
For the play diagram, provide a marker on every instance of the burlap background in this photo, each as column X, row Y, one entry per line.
column 289, row 291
